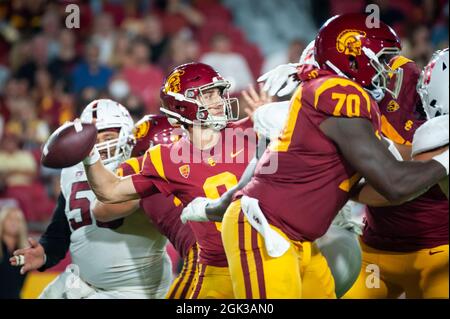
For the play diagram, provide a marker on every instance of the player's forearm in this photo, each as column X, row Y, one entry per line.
column 404, row 181
column 367, row 195
column 109, row 212
column 102, row 181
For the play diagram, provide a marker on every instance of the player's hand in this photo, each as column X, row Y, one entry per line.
column 30, row 258
column 254, row 99
column 344, row 219
column 284, row 74
column 195, row 210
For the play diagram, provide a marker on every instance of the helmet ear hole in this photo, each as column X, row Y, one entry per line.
column 353, row 63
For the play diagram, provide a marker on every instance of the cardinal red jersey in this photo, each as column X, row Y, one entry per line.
column 423, row 222
column 313, row 180
column 185, row 171
column 400, row 117
column 164, row 212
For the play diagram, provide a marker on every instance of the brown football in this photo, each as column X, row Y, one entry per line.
column 69, row 145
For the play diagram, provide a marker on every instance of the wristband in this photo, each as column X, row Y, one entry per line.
column 93, row 157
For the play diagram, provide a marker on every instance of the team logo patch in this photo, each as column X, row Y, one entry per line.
column 392, row 106
column 185, row 170
column 211, row 161
column 408, row 125
column 349, row 42
column 173, row 82
column 142, row 130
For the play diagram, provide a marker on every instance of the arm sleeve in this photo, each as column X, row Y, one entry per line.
column 56, row 239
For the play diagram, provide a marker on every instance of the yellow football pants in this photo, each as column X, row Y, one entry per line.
column 301, row 272
column 213, row 283
column 183, row 286
column 386, row 274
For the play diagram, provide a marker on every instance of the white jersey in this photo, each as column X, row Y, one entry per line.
column 124, row 254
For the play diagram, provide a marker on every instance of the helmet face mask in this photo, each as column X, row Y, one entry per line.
column 222, row 106
column 385, row 78
column 187, row 97
column 117, row 150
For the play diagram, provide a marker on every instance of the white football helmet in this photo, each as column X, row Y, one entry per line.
column 433, row 85
column 307, row 56
column 109, row 115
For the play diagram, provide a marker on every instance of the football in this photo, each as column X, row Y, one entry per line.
column 69, row 145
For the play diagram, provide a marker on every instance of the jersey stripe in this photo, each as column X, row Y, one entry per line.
column 347, row 185
column 283, row 142
column 156, row 158
column 399, row 61
column 391, row 133
column 134, row 163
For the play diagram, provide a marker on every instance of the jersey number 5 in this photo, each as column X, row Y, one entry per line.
column 84, row 205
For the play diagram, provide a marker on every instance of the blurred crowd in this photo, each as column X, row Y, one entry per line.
column 123, row 49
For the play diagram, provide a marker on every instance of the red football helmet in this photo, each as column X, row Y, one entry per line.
column 185, row 96
column 152, row 130
column 348, row 46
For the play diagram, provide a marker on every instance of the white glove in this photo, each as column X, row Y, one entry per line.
column 277, row 77
column 195, row 210
column 431, row 135
column 92, row 158
column 346, row 220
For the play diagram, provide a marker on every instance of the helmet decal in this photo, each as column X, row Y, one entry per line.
column 141, row 130
column 349, row 42
column 173, row 83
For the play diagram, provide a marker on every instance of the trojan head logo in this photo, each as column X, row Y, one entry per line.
column 141, row 130
column 185, row 170
column 349, row 42
column 392, row 106
column 173, row 82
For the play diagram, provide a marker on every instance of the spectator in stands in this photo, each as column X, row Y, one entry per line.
column 152, row 31
column 61, row 66
column 50, row 31
column 91, row 73
column 420, row 50
column 230, row 65
column 38, row 57
column 18, row 167
column 177, row 15
column 13, row 234
column 53, row 104
column 144, row 78
column 290, row 55
column 104, row 37
column 182, row 49
column 120, row 56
